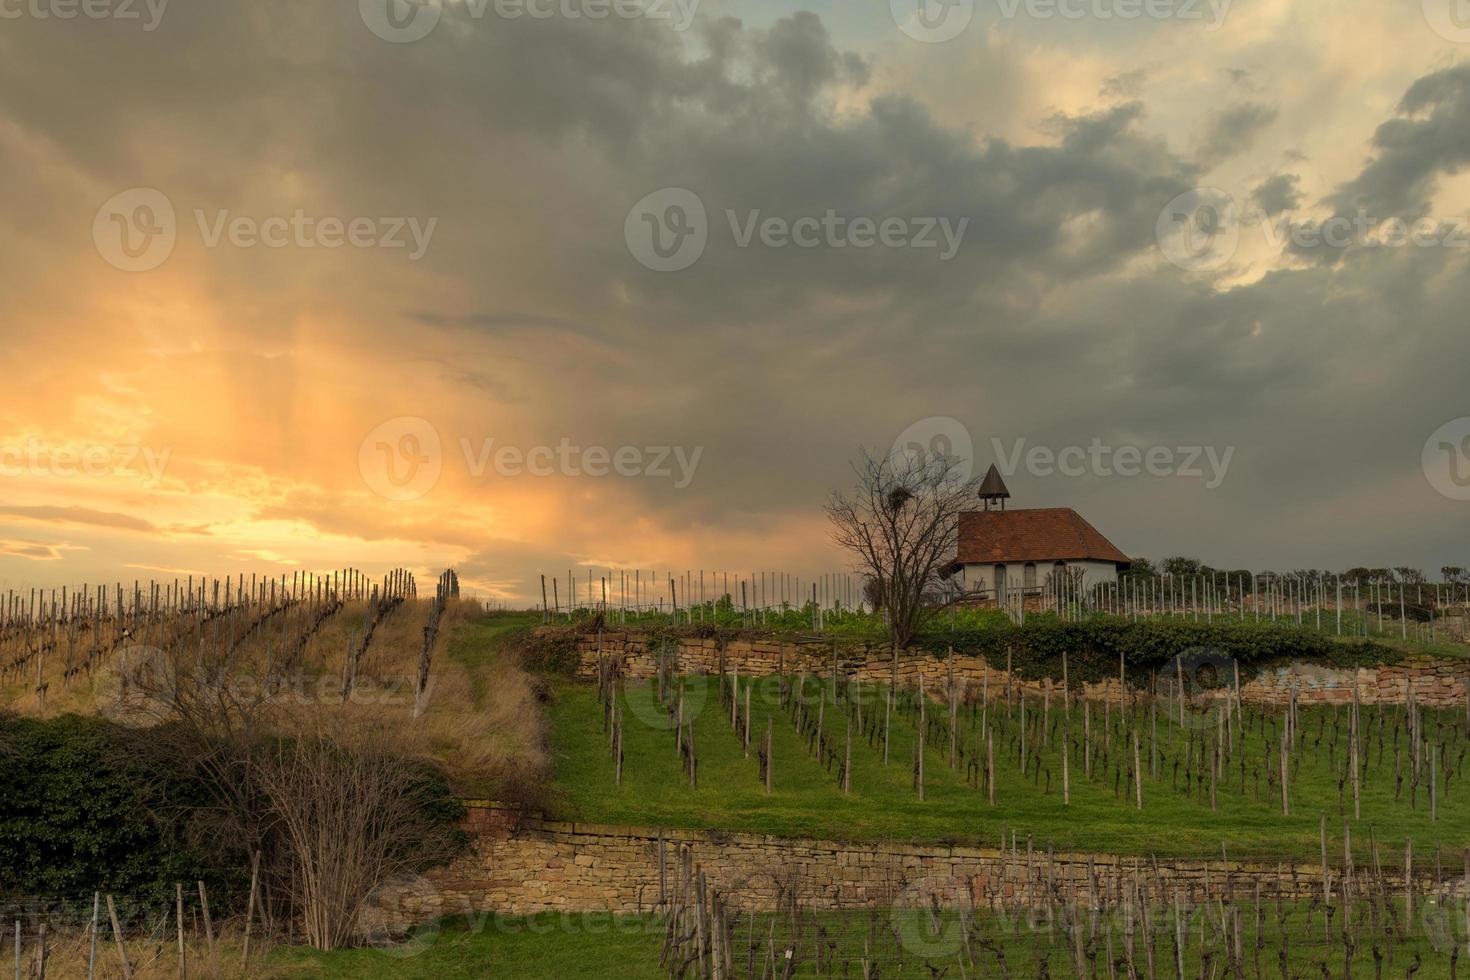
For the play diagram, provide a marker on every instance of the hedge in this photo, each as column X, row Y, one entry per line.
column 88, row 807
column 1093, row 647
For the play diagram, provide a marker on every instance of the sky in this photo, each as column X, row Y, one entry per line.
column 530, row 286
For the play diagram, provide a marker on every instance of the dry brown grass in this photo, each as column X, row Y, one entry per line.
column 482, row 720
column 150, row 957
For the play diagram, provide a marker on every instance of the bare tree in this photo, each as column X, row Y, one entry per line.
column 901, row 524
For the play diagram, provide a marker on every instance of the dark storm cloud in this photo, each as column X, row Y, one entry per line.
column 1055, row 321
column 1429, row 136
column 1277, row 193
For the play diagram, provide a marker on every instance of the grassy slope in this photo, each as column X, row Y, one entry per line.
column 475, row 646
column 807, row 802
column 550, row 947
column 546, row 947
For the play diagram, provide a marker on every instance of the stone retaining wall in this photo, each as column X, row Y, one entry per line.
column 523, row 865
column 1435, row 682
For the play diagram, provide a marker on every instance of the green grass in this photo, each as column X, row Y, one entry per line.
column 903, row 943
column 544, row 947
column 475, row 645
column 807, row 802
column 908, row 944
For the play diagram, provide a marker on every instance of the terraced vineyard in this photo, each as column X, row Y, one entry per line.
column 1212, row 782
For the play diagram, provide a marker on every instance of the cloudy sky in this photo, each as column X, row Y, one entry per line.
column 546, row 284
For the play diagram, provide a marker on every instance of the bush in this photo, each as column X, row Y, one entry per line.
column 1093, row 646
column 88, row 807
column 543, row 650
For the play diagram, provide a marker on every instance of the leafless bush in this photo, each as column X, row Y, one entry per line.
column 352, row 812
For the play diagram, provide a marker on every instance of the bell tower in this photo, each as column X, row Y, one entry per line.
column 993, row 489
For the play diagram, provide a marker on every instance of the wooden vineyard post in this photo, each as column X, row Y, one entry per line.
column 1408, row 880
column 249, row 906
column 1433, row 785
column 767, row 758
column 1326, row 887
column 1086, row 738
column 208, row 923
column 679, row 723
column 693, row 757
column 1353, row 753
column 179, row 923
column 1138, row 772
column 1066, row 757
column 745, row 733
column 1179, row 670
column 1178, row 935
column 1023, row 733
column 953, row 711
column 887, row 722
column 1153, row 735
column 919, row 748
column 847, row 763
column 990, row 763
column 92, row 936
column 421, row 688
column 117, row 938
column 1285, row 797
column 618, row 744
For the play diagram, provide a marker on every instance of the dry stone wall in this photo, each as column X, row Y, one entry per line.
column 1434, row 682
column 524, row 865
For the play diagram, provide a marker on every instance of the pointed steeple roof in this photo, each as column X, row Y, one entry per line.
column 993, row 487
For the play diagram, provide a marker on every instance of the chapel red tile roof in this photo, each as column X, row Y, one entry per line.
column 1041, row 534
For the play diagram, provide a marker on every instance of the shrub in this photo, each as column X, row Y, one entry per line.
column 89, row 807
column 1093, row 646
column 545, row 650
